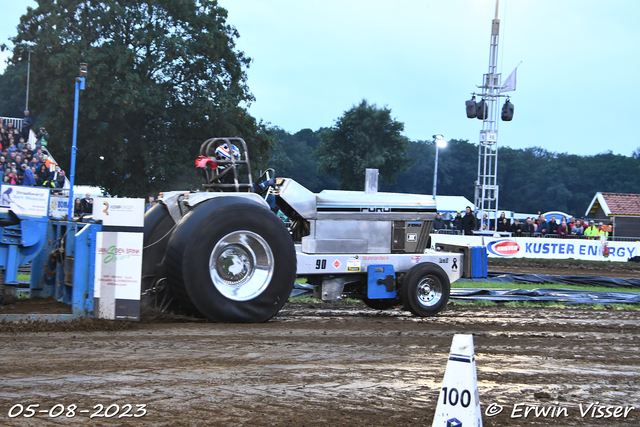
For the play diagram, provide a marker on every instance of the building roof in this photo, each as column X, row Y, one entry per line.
column 615, row 204
column 453, row 203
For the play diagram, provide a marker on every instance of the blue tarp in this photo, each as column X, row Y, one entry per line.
column 553, row 294
column 568, row 296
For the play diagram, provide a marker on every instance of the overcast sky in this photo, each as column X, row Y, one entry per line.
column 577, row 87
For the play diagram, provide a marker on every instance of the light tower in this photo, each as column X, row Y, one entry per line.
column 486, row 187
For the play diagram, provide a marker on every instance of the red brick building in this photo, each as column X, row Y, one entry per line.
column 621, row 210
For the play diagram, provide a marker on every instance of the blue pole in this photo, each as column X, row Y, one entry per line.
column 72, row 173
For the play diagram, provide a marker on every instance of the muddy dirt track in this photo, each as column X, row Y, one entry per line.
column 330, row 364
column 324, row 365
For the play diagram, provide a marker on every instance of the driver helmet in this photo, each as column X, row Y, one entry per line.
column 222, row 152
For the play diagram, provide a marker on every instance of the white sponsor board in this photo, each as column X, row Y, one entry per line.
column 58, row 207
column 118, row 273
column 24, row 200
column 549, row 248
column 119, row 211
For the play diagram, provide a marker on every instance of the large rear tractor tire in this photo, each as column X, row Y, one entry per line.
column 158, row 226
column 425, row 290
column 232, row 260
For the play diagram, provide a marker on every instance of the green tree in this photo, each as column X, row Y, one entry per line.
column 163, row 76
column 364, row 137
column 12, row 95
column 293, row 157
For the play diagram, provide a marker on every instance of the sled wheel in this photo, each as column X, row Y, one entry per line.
column 425, row 290
column 158, row 226
column 380, row 304
column 233, row 260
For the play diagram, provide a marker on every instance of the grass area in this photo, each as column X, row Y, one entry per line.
column 24, row 277
column 497, row 285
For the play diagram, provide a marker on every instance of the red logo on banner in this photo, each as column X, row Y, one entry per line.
column 504, row 247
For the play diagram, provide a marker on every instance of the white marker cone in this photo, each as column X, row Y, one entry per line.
column 459, row 402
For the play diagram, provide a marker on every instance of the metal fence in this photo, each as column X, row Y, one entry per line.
column 17, row 123
column 539, row 235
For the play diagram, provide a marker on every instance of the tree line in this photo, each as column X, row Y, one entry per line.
column 163, row 76
column 531, row 180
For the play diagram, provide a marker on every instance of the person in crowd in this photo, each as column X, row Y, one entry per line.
column 563, row 228
column 553, row 225
column 51, row 165
column 42, row 140
column 591, row 232
column 484, row 223
column 577, row 229
column 52, row 178
column 26, row 153
column 27, row 124
column 457, row 221
column 27, row 176
column 152, row 202
column 503, row 216
column 468, row 222
column 516, row 227
column 34, row 163
column 41, row 175
column 60, row 179
column 438, row 223
column 543, row 226
column 78, row 210
column 604, row 229
column 503, row 225
column 21, row 143
column 87, row 204
column 12, row 147
column 13, row 177
column 572, row 222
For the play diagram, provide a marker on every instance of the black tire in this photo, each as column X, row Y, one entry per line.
column 380, row 304
column 425, row 290
column 158, row 226
column 217, row 238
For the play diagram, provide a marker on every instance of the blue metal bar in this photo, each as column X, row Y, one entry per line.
column 72, row 173
column 83, row 280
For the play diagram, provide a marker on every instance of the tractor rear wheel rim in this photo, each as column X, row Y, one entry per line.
column 241, row 265
column 429, row 291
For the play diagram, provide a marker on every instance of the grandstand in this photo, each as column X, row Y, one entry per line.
column 17, row 123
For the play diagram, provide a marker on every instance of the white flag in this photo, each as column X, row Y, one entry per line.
column 509, row 84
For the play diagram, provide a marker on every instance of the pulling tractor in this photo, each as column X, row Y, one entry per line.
column 224, row 254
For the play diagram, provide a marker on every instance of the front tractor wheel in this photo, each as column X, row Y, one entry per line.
column 232, row 260
column 425, row 290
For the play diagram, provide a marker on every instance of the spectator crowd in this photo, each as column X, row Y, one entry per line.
column 22, row 164
column 532, row 226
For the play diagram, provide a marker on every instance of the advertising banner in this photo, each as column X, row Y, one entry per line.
column 24, row 200
column 59, row 207
column 548, row 248
column 118, row 275
column 119, row 212
column 588, row 250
